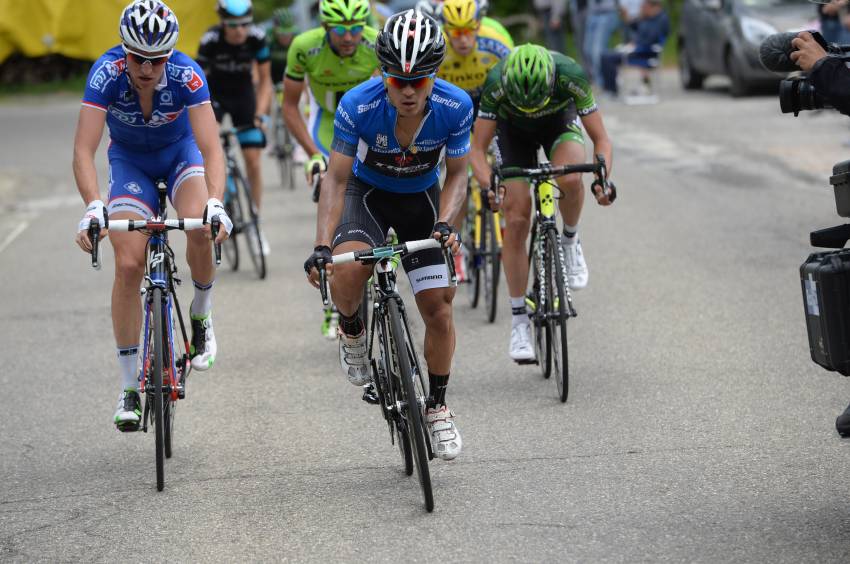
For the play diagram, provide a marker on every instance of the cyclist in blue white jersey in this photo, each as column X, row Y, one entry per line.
column 390, row 136
column 161, row 125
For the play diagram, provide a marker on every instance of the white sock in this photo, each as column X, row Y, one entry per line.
column 202, row 303
column 570, row 234
column 519, row 311
column 128, row 362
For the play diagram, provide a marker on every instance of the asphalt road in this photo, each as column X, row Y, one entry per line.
column 697, row 429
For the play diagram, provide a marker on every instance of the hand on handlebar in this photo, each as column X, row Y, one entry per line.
column 317, row 164
column 321, row 258
column 215, row 208
column 94, row 211
column 603, row 189
column 494, row 199
column 448, row 236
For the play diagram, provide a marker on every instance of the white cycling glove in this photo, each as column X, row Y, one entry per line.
column 95, row 210
column 216, row 209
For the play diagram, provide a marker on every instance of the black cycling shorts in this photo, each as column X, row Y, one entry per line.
column 242, row 110
column 369, row 213
column 518, row 147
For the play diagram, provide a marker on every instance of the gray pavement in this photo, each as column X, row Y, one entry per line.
column 697, row 429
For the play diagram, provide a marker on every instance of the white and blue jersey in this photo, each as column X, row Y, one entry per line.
column 364, row 127
column 142, row 151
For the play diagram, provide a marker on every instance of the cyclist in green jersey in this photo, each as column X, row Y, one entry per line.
column 531, row 99
column 334, row 58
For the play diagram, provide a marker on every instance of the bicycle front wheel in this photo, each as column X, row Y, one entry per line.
column 251, row 225
column 233, row 207
column 472, row 258
column 155, row 392
column 492, row 263
column 556, row 313
column 414, row 405
column 542, row 330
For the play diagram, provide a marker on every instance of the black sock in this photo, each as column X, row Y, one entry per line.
column 351, row 326
column 437, row 385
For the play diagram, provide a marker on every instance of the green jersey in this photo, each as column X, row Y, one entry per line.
column 571, row 92
column 330, row 76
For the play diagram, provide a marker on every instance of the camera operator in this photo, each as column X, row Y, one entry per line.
column 828, row 74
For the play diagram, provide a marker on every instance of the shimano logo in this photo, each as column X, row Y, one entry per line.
column 454, row 104
column 366, row 107
column 429, row 277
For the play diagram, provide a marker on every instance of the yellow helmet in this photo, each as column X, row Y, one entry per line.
column 460, row 13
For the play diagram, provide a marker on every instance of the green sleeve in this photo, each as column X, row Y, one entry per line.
column 296, row 58
column 572, row 81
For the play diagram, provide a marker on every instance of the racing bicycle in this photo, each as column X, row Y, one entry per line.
column 166, row 359
column 284, row 144
column 397, row 377
column 549, row 298
column 484, row 258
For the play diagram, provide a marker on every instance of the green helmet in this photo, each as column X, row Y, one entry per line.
column 283, row 22
column 338, row 11
column 528, row 77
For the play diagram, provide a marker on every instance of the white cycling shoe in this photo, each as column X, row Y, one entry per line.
column 354, row 358
column 521, row 348
column 577, row 273
column 445, row 438
column 204, row 347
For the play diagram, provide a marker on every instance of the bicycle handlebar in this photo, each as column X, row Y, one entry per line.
column 155, row 226
column 546, row 172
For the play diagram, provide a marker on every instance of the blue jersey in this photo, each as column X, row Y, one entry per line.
column 365, row 126
column 183, row 86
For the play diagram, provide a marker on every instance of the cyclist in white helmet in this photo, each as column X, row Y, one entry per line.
column 161, row 125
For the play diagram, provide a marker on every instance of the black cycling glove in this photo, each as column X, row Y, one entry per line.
column 321, row 254
column 445, row 230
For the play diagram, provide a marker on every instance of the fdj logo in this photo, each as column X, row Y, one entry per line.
column 156, row 259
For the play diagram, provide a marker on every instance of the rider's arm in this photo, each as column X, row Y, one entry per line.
column 292, row 90
column 264, row 88
column 596, row 131
column 485, row 129
column 205, row 130
column 86, row 142
column 332, row 196
column 453, row 196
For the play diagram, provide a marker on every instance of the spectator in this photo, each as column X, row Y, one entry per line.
column 830, row 21
column 629, row 14
column 602, row 21
column 550, row 13
column 578, row 21
column 649, row 32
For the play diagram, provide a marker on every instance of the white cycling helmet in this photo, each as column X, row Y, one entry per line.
column 149, row 26
column 411, row 41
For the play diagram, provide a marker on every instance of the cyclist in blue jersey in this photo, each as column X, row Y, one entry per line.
column 161, row 126
column 390, row 136
column 230, row 54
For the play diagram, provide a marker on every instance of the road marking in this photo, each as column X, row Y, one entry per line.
column 13, row 235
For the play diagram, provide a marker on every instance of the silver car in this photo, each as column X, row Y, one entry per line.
column 723, row 37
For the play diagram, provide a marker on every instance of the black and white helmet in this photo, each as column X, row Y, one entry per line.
column 149, row 26
column 411, row 41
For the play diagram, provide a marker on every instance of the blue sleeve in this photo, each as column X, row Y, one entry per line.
column 345, row 130
column 100, row 85
column 458, row 143
column 193, row 82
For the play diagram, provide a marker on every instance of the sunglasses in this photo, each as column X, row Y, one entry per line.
column 401, row 82
column 341, row 29
column 537, row 109
column 142, row 59
column 460, row 31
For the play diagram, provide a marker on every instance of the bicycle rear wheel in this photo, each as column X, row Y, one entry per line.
column 491, row 264
column 556, row 305
column 233, row 207
column 250, row 225
column 155, row 393
column 413, row 411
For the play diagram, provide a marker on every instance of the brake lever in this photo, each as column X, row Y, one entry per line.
column 323, row 281
column 94, row 236
column 215, row 225
column 450, row 262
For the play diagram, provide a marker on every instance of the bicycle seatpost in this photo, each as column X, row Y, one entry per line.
column 94, row 236
column 215, row 225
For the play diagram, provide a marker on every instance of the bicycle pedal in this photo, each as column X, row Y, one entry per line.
column 129, row 427
column 370, row 395
column 529, row 361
